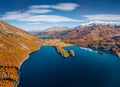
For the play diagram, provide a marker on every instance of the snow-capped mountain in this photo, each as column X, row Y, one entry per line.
column 94, row 23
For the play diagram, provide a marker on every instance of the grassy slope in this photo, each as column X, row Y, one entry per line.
column 15, row 46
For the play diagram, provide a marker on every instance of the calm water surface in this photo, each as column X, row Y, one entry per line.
column 45, row 68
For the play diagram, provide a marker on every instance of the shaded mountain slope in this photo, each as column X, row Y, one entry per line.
column 98, row 37
column 94, row 33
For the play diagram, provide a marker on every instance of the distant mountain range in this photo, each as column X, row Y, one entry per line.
column 15, row 46
column 93, row 23
column 93, row 30
column 56, row 29
column 101, row 29
column 96, row 35
column 52, row 31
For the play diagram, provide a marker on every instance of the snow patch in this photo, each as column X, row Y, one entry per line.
column 91, row 23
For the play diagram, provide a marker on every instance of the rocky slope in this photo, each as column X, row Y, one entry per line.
column 94, row 33
column 97, row 36
column 15, row 46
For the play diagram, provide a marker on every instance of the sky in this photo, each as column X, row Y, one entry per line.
column 41, row 14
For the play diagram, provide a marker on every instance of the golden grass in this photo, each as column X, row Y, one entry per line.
column 15, row 46
column 54, row 42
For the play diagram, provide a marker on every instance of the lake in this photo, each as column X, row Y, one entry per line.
column 46, row 68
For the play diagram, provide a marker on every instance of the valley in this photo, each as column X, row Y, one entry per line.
column 14, row 42
column 59, row 43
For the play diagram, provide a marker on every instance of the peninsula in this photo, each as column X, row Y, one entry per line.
column 58, row 44
column 65, row 53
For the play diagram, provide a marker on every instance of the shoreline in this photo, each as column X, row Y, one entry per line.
column 100, row 50
column 89, row 49
column 28, row 55
column 62, row 46
column 38, row 49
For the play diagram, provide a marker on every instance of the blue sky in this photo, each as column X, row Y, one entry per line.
column 41, row 14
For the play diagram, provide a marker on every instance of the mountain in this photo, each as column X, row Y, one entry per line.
column 15, row 46
column 93, row 23
column 95, row 35
column 52, row 31
column 56, row 29
column 95, row 32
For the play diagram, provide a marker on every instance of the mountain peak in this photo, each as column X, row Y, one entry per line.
column 56, row 28
column 94, row 23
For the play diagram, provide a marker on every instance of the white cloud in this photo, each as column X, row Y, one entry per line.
column 35, row 14
column 14, row 15
column 38, row 11
column 48, row 18
column 34, row 23
column 103, row 17
column 39, row 6
column 60, row 6
column 36, row 18
column 65, row 6
column 28, row 17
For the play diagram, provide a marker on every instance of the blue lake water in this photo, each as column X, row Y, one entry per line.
column 45, row 68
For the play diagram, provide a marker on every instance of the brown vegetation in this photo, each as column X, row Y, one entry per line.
column 63, row 52
column 54, row 42
column 71, row 52
column 58, row 44
column 15, row 46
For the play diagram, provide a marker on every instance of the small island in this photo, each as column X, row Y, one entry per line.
column 58, row 44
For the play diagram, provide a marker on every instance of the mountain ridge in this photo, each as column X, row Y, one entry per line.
column 56, row 29
column 99, row 36
column 110, row 24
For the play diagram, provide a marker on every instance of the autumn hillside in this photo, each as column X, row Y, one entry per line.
column 15, row 46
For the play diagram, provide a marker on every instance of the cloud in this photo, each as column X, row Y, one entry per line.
column 60, row 6
column 31, row 16
column 102, row 17
column 39, row 6
column 48, row 18
column 37, row 13
column 14, row 15
column 34, row 23
column 65, row 6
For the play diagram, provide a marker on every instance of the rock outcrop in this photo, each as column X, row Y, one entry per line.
column 65, row 53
